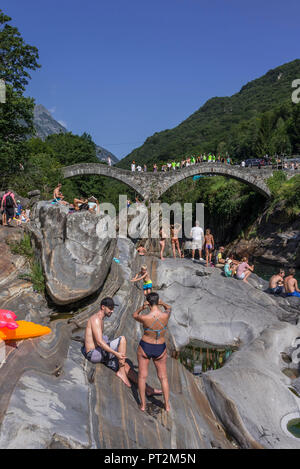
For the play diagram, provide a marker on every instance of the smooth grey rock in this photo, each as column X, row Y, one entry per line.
column 48, row 407
column 212, row 308
column 75, row 250
column 251, row 395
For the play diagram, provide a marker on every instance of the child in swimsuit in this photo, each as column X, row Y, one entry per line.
column 209, row 245
column 147, row 287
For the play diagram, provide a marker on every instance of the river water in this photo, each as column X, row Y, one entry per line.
column 266, row 271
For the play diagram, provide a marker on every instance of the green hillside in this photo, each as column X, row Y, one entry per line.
column 245, row 124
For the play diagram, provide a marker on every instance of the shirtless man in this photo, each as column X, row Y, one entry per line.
column 57, row 195
column 209, row 244
column 98, row 349
column 291, row 284
column 276, row 283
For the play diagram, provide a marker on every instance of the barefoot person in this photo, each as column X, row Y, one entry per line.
column 244, row 270
column 98, row 349
column 143, row 275
column 162, row 243
column 174, row 239
column 152, row 345
column 291, row 284
column 197, row 243
column 209, row 244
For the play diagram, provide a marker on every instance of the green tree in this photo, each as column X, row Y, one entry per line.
column 16, row 57
column 16, row 114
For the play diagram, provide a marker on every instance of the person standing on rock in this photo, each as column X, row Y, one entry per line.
column 153, row 345
column 209, row 244
column 197, row 243
column 8, row 205
column 291, row 284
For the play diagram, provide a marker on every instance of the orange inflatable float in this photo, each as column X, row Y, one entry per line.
column 25, row 330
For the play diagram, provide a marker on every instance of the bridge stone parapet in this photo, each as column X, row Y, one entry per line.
column 152, row 185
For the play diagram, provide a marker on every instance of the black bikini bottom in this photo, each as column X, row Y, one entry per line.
column 152, row 350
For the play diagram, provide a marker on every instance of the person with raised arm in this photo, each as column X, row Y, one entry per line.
column 153, row 345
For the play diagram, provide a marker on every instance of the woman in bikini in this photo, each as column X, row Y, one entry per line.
column 152, row 345
column 174, row 239
column 162, row 243
column 209, row 244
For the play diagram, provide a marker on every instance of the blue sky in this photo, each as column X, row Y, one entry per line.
column 122, row 70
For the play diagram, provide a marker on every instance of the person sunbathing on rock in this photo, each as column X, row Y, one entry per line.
column 152, row 345
column 291, row 284
column 78, row 203
column 98, row 349
column 276, row 283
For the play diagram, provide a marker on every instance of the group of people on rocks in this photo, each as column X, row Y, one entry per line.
column 12, row 210
column 284, row 284
column 90, row 204
column 174, row 164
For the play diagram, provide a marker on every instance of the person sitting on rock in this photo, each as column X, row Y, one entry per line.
column 94, row 206
column 142, row 250
column 244, row 270
column 58, row 196
column 98, row 349
column 229, row 268
column 147, row 287
column 152, row 345
column 291, row 284
column 276, row 283
column 219, row 260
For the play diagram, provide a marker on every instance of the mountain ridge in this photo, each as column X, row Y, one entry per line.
column 217, row 120
column 45, row 125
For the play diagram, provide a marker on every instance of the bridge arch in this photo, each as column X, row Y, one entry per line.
column 104, row 170
column 150, row 186
column 256, row 178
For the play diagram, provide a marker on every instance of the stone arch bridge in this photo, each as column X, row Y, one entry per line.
column 152, row 185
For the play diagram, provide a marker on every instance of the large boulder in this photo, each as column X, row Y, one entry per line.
column 75, row 249
column 209, row 307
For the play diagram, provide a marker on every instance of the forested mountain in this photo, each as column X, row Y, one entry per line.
column 259, row 119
